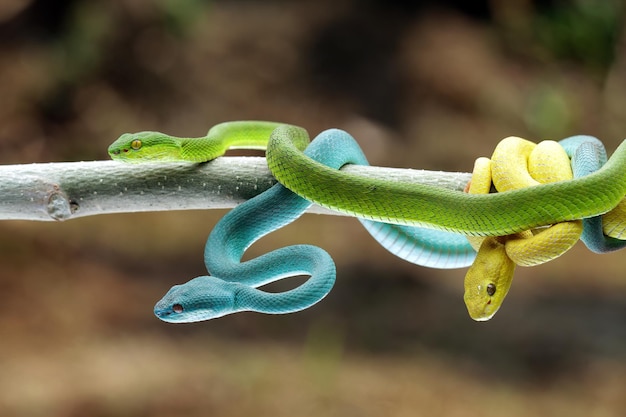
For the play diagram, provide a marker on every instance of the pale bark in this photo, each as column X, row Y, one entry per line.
column 67, row 190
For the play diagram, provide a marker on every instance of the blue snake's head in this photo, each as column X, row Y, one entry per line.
column 145, row 146
column 202, row 298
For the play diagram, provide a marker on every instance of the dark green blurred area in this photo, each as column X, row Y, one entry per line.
column 426, row 85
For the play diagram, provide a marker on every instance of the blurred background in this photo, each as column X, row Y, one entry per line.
column 424, row 84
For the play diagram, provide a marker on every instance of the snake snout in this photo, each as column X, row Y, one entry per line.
column 162, row 312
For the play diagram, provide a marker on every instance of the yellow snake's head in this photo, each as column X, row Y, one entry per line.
column 488, row 280
column 145, row 146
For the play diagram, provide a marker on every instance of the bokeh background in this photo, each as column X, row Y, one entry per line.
column 424, row 84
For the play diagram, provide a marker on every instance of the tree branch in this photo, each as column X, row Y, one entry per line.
column 67, row 190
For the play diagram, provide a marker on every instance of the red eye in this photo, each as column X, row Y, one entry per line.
column 177, row 308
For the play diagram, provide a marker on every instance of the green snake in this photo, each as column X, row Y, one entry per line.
column 424, row 205
column 400, row 204
column 425, row 247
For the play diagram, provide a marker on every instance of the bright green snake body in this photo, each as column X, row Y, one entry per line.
column 495, row 214
column 157, row 146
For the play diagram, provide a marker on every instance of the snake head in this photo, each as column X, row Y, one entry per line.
column 202, row 298
column 488, row 280
column 145, row 146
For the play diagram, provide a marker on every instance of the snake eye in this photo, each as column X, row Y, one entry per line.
column 177, row 308
column 136, row 144
column 491, row 289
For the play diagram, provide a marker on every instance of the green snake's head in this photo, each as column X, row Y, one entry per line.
column 202, row 298
column 488, row 280
column 145, row 146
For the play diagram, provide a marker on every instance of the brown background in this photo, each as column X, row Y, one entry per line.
column 419, row 86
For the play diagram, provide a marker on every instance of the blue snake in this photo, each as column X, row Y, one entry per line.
column 232, row 285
